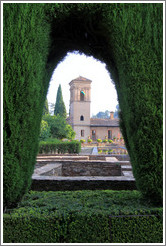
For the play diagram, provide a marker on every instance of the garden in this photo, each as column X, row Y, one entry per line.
column 128, row 38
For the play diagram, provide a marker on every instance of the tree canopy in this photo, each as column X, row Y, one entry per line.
column 58, row 127
column 60, row 108
column 45, row 109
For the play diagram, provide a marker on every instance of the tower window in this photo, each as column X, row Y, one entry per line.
column 82, row 133
column 82, row 118
column 82, row 95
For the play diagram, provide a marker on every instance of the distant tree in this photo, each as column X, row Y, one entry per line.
column 59, row 127
column 51, row 108
column 45, row 109
column 102, row 115
column 116, row 114
column 44, row 130
column 60, row 108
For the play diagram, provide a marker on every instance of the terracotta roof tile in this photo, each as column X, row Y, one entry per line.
column 104, row 122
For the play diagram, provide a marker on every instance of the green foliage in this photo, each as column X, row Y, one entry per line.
column 89, row 140
column 44, row 131
column 82, row 140
column 127, row 37
column 110, row 141
column 25, row 43
column 83, row 217
column 99, row 140
column 45, row 109
column 59, row 105
column 58, row 127
column 57, row 146
column 105, row 141
column 139, row 229
column 105, row 151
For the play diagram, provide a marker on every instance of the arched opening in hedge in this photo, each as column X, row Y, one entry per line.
column 127, row 37
column 103, row 97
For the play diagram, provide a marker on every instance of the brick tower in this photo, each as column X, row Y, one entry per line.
column 79, row 114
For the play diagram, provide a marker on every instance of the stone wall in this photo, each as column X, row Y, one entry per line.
column 101, row 132
column 53, row 183
column 90, row 168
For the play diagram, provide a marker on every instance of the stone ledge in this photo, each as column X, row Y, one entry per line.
column 48, row 183
column 46, row 168
column 87, row 178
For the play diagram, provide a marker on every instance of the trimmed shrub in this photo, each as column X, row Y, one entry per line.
column 84, row 217
column 26, row 42
column 99, row 140
column 89, row 140
column 142, row 228
column 127, row 37
column 82, row 141
column 57, row 146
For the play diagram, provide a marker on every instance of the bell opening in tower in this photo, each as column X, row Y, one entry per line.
column 82, row 95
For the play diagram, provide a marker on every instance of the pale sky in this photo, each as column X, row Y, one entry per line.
column 103, row 92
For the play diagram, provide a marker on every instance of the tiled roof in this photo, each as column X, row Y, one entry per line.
column 104, row 122
column 80, row 78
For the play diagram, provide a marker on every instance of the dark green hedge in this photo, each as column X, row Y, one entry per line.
column 83, row 217
column 59, row 147
column 127, row 37
column 82, row 228
column 25, row 50
column 137, row 228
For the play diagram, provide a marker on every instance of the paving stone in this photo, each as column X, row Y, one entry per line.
column 128, row 173
column 111, row 159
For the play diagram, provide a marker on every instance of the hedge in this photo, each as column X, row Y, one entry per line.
column 137, row 228
column 127, row 37
column 59, row 147
column 83, row 217
column 25, row 51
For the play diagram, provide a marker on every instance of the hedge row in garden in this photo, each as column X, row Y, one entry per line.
column 59, row 147
column 83, row 217
column 127, row 37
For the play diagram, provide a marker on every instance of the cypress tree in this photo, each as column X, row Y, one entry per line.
column 45, row 109
column 59, row 105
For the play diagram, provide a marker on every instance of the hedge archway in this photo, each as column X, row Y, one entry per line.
column 127, row 37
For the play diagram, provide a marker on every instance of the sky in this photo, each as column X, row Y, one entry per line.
column 103, row 92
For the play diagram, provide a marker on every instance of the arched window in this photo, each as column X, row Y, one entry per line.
column 82, row 118
column 82, row 95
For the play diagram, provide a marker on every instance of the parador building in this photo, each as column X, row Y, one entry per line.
column 79, row 114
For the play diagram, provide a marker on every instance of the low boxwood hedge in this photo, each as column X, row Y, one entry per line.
column 57, row 146
column 83, row 217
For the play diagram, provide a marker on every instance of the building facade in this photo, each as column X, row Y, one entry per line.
column 79, row 114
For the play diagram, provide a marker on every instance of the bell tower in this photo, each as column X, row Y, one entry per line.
column 79, row 114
